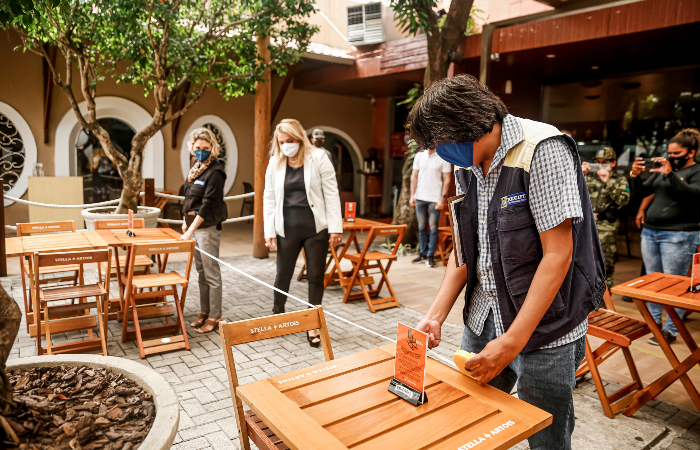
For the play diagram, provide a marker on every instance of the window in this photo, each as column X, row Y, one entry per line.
column 13, row 154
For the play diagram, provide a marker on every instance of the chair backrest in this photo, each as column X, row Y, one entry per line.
column 44, row 227
column 608, row 301
column 62, row 259
column 121, row 224
column 384, row 230
column 251, row 330
column 163, row 247
column 247, row 187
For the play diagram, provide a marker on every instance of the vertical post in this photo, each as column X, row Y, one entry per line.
column 263, row 96
column 149, row 188
column 3, row 258
column 486, row 46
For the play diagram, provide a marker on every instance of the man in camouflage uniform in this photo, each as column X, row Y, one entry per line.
column 609, row 192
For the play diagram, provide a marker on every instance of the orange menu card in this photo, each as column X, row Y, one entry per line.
column 350, row 211
column 130, row 230
column 409, row 370
column 695, row 274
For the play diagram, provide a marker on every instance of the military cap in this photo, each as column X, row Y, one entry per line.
column 606, row 153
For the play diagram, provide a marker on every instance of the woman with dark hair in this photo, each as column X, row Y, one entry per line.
column 204, row 210
column 671, row 224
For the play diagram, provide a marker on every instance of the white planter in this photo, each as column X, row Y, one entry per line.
column 165, row 425
column 148, row 213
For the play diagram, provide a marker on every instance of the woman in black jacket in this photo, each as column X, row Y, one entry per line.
column 204, row 210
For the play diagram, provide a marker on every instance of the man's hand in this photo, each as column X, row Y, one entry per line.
column 271, row 243
column 187, row 236
column 493, row 358
column 432, row 328
column 585, row 167
column 412, row 201
column 440, row 205
column 603, row 174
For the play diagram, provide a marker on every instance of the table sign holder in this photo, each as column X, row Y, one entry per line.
column 350, row 211
column 408, row 382
column 695, row 274
column 130, row 229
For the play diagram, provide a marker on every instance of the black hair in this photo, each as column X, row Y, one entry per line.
column 458, row 109
column 688, row 138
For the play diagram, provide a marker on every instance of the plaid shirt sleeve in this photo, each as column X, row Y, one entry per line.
column 554, row 194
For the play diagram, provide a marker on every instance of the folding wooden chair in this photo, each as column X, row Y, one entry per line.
column 53, row 317
column 24, row 229
column 142, row 305
column 302, row 274
column 618, row 331
column 366, row 261
column 142, row 264
column 444, row 243
column 244, row 331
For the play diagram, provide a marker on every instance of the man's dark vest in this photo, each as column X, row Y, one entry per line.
column 516, row 249
column 194, row 194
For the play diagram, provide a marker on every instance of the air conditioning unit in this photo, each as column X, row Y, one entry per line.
column 365, row 24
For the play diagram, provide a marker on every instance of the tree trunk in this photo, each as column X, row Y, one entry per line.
column 131, row 177
column 10, row 318
column 405, row 214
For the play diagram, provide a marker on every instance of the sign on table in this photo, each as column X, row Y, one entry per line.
column 409, row 368
column 695, row 275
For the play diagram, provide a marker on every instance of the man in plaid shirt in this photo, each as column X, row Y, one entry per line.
column 534, row 268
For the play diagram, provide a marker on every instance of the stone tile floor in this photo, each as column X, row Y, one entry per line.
column 199, row 376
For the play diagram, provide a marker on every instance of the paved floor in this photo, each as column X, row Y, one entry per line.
column 200, row 380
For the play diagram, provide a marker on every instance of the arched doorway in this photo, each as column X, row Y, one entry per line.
column 17, row 151
column 101, row 180
column 348, row 159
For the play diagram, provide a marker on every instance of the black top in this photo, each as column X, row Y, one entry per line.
column 294, row 188
column 205, row 196
column 676, row 204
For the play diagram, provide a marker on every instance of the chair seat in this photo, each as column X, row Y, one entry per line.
column 445, row 229
column 263, row 437
column 54, row 269
column 71, row 292
column 606, row 324
column 371, row 256
column 158, row 280
column 141, row 261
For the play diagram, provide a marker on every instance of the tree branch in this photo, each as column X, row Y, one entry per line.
column 455, row 25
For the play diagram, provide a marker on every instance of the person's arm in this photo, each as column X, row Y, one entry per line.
column 414, row 185
column 198, row 220
column 213, row 195
column 557, row 249
column 687, row 188
column 331, row 198
column 269, row 206
column 641, row 213
column 620, row 193
column 452, row 285
column 446, row 180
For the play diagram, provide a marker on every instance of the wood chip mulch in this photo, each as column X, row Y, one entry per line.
column 76, row 408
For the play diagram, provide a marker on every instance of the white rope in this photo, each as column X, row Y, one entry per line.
column 180, row 197
column 10, row 227
column 325, row 311
column 235, row 219
column 49, row 205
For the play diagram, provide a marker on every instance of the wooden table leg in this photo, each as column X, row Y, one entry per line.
column 678, row 369
column 329, row 281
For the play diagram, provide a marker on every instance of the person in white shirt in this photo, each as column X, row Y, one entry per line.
column 430, row 182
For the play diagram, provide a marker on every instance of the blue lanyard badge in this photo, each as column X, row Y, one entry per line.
column 199, row 182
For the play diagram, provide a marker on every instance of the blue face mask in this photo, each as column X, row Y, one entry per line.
column 202, row 155
column 461, row 155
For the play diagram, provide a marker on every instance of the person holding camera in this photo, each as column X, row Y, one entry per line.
column 609, row 192
column 670, row 216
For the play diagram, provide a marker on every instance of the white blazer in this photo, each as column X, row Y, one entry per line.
column 321, row 192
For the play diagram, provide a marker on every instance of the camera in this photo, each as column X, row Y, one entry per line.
column 650, row 164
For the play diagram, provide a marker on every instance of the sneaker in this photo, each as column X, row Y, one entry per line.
column 421, row 257
column 667, row 335
column 627, row 299
column 431, row 262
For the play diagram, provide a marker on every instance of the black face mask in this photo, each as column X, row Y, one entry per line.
column 678, row 162
column 318, row 144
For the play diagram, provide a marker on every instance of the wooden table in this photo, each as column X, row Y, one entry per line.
column 671, row 292
column 53, row 243
column 345, row 403
column 358, row 226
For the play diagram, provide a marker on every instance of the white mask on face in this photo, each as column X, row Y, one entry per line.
column 607, row 167
column 289, row 149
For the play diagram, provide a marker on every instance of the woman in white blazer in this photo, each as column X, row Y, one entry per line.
column 301, row 209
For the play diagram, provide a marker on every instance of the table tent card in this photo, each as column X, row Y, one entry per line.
column 130, row 230
column 695, row 274
column 350, row 211
column 409, row 368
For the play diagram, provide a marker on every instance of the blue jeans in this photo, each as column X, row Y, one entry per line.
column 545, row 379
column 668, row 252
column 423, row 209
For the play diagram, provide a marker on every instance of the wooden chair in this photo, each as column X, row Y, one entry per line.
column 444, row 243
column 64, row 317
column 302, row 274
column 142, row 265
column 618, row 331
column 24, row 229
column 248, row 201
column 366, row 261
column 141, row 305
column 244, row 331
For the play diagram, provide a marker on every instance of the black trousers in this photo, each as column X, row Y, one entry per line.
column 300, row 232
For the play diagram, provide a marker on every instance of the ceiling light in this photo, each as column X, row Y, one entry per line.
column 551, row 55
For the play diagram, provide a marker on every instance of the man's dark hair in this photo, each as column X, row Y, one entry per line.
column 688, row 138
column 458, row 109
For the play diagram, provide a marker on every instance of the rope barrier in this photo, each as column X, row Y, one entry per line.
column 435, row 355
column 50, row 205
column 232, row 220
column 180, row 197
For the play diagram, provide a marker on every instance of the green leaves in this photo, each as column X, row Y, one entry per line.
column 415, row 16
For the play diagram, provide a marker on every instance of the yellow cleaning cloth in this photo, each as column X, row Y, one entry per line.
column 460, row 358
